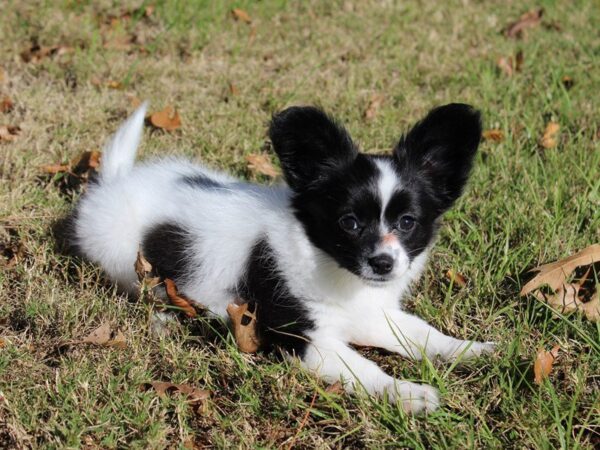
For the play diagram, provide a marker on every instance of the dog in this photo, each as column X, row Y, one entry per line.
column 326, row 258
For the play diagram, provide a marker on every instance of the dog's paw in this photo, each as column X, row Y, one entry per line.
column 471, row 349
column 415, row 398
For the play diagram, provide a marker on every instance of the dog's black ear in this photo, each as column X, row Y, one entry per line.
column 309, row 145
column 438, row 151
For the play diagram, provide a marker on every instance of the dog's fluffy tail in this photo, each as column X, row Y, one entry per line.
column 119, row 152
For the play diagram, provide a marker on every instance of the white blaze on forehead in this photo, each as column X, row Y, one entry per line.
column 388, row 183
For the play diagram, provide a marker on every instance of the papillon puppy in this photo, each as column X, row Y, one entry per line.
column 326, row 259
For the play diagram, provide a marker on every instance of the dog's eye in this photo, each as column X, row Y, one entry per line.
column 349, row 223
column 406, row 223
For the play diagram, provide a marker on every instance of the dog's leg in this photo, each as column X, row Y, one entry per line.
column 403, row 333
column 333, row 360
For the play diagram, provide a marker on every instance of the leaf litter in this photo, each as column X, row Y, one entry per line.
column 167, row 119
column 518, row 28
column 544, row 361
column 567, row 297
column 550, row 136
column 106, row 337
column 261, row 164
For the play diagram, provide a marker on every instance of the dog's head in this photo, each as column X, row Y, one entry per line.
column 374, row 214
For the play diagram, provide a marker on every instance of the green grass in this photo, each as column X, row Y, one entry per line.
column 524, row 206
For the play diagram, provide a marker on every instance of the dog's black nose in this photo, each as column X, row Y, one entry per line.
column 381, row 264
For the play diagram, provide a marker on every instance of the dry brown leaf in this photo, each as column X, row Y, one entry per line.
column 6, row 105
column 100, row 336
column 566, row 296
column 519, row 60
column 178, row 300
column 194, row 394
column 493, row 135
column 374, row 106
column 260, row 163
column 555, row 274
column 143, row 269
column 336, row 388
column 80, row 166
column 510, row 65
column 9, row 133
column 543, row 363
column 243, row 321
column 456, row 278
column 168, row 119
column 550, row 137
column 232, row 89
column 106, row 337
column 506, row 65
column 530, row 19
column 2, row 344
column 37, row 53
column 112, row 84
column 241, row 15
column 567, row 299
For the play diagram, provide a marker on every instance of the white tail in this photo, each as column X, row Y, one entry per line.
column 119, row 152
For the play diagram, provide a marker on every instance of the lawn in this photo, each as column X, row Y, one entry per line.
column 525, row 205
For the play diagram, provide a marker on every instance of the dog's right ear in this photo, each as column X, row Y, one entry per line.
column 309, row 145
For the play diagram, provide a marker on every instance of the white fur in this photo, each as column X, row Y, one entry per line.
column 114, row 213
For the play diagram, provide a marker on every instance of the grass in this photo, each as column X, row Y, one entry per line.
column 524, row 206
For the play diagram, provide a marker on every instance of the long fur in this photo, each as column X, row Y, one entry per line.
column 327, row 260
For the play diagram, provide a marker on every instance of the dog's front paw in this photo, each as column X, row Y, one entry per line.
column 415, row 398
column 471, row 349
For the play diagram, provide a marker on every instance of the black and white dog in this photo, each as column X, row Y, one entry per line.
column 327, row 260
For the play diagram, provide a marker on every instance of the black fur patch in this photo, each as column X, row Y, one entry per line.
column 200, row 181
column 166, row 247
column 282, row 319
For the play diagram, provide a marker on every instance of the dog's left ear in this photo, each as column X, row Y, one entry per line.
column 438, row 152
column 309, row 145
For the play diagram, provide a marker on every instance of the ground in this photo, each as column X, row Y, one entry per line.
column 525, row 205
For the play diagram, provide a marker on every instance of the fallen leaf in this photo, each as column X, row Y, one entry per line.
column 241, row 15
column 79, row 166
column 233, row 90
column 112, row 84
column 519, row 60
column 506, row 65
column 2, row 344
column 566, row 296
column 168, row 119
column 568, row 299
column 37, row 53
column 106, row 337
column 456, row 278
column 99, row 336
column 549, row 139
column 336, row 388
column 543, row 363
column 493, row 135
column 530, row 19
column 373, row 107
column 194, row 394
column 9, row 133
column 243, row 321
column 6, row 105
column 568, row 82
column 143, row 269
column 178, row 300
column 260, row 163
column 510, row 65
